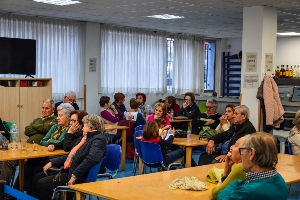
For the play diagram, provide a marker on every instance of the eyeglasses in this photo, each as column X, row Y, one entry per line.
column 188, row 100
column 241, row 150
column 209, row 107
column 71, row 100
column 73, row 120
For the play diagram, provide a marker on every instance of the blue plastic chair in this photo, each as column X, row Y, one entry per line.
column 139, row 127
column 151, row 155
column 289, row 148
column 137, row 133
column 15, row 193
column 112, row 160
column 91, row 177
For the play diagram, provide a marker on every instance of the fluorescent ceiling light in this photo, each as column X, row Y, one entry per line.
column 166, row 16
column 58, row 2
column 289, row 33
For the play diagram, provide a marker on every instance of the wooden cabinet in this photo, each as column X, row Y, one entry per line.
column 20, row 101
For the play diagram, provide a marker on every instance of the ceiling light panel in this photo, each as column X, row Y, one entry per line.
column 58, row 2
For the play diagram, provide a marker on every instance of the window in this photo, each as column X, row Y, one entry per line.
column 170, row 43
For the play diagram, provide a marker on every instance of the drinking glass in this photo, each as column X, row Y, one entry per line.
column 23, row 144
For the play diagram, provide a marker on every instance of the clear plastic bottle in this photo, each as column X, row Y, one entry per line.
column 148, row 111
column 172, row 113
column 188, row 134
column 14, row 136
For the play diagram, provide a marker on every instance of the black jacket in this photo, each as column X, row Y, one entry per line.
column 88, row 155
column 69, row 141
column 240, row 131
column 200, row 123
column 190, row 112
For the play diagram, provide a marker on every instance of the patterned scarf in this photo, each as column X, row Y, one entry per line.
column 71, row 155
column 59, row 130
column 43, row 118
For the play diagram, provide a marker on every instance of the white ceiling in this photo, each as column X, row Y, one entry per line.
column 206, row 18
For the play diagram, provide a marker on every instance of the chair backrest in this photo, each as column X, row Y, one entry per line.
column 92, row 175
column 15, row 193
column 112, row 159
column 202, row 107
column 150, row 153
column 139, row 127
column 289, row 148
column 137, row 133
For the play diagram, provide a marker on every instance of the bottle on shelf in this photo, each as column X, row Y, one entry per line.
column 294, row 72
column 291, row 72
column 287, row 73
column 297, row 72
column 277, row 72
column 188, row 134
column 282, row 72
column 14, row 136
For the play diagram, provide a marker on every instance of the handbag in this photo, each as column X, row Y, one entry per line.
column 259, row 94
column 180, row 134
column 207, row 133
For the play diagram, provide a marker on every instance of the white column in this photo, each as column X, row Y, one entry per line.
column 259, row 36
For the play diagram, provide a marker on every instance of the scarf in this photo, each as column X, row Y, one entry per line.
column 59, row 130
column 44, row 118
column 71, row 155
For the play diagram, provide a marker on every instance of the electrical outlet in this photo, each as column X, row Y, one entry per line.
column 229, row 46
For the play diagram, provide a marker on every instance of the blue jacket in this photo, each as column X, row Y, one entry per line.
column 264, row 188
column 88, row 155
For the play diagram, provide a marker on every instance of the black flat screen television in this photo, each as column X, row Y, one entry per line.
column 17, row 56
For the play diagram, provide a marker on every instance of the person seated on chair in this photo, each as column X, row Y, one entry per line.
column 208, row 119
column 133, row 113
column 242, row 126
column 76, row 165
column 171, row 104
column 56, row 134
column 294, row 135
column 189, row 108
column 233, row 169
column 259, row 159
column 141, row 97
column 119, row 104
column 36, row 130
column 70, row 97
column 160, row 111
column 151, row 134
column 226, row 121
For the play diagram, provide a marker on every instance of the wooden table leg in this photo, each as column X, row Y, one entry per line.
column 80, row 196
column 190, row 125
column 188, row 157
column 140, row 166
column 21, row 175
column 123, row 150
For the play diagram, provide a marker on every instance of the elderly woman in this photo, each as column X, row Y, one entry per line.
column 171, row 104
column 226, row 121
column 108, row 113
column 55, row 135
column 294, row 136
column 160, row 111
column 231, row 172
column 189, row 108
column 119, row 104
column 76, row 165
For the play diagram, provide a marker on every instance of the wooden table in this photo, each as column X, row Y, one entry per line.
column 189, row 121
column 123, row 128
column 7, row 155
column 188, row 149
column 154, row 186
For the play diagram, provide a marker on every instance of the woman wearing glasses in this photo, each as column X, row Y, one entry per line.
column 189, row 108
column 70, row 97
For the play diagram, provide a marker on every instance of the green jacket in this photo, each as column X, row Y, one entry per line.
column 37, row 129
column 48, row 138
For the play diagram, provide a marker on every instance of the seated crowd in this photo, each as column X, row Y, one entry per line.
column 250, row 158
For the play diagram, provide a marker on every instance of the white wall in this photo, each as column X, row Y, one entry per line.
column 236, row 45
column 288, row 51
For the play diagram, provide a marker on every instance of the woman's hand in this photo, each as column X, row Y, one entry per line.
column 46, row 167
column 173, row 131
column 166, row 127
column 75, row 127
column 50, row 147
column 71, row 181
column 223, row 119
column 221, row 158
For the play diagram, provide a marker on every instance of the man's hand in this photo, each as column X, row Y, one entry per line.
column 71, row 181
column 221, row 158
column 50, row 147
column 228, row 160
column 210, row 148
column 46, row 167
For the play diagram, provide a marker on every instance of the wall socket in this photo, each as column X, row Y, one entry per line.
column 229, row 46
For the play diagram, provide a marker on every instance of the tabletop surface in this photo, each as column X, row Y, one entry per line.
column 113, row 127
column 194, row 141
column 154, row 186
column 29, row 153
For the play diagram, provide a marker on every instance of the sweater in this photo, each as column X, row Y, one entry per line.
column 176, row 109
column 237, row 173
column 88, row 155
column 121, row 109
column 37, row 129
column 221, row 128
column 264, row 188
column 69, row 141
column 48, row 137
column 294, row 139
column 190, row 112
column 166, row 118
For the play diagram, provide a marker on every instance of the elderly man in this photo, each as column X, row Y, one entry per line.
column 242, row 126
column 70, row 97
column 259, row 159
column 36, row 130
column 211, row 118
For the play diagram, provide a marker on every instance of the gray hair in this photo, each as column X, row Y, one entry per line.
column 66, row 108
column 213, row 101
column 244, row 110
column 94, row 122
column 70, row 93
column 265, row 149
column 49, row 101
